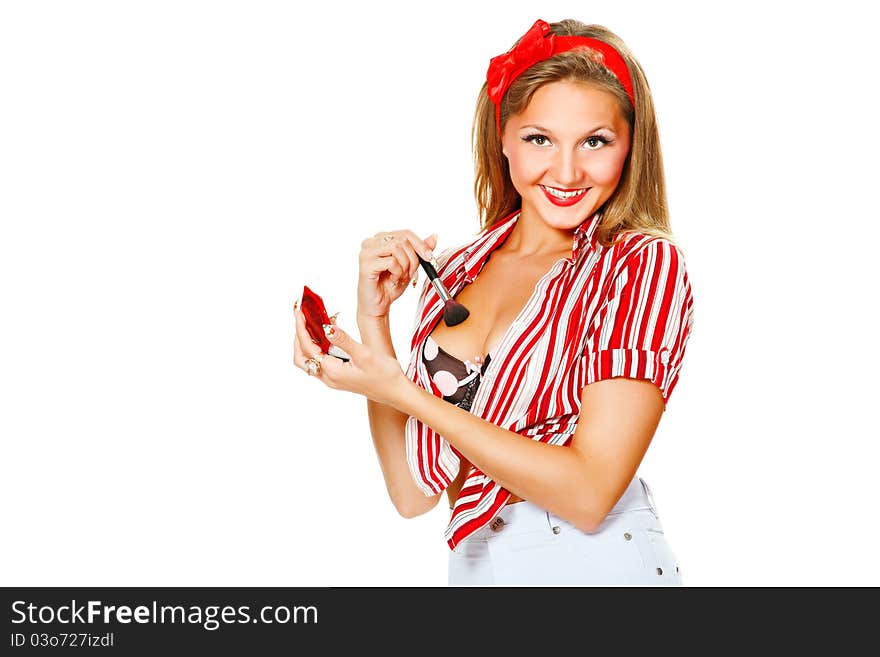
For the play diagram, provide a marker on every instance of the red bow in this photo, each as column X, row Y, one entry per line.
column 538, row 44
column 534, row 46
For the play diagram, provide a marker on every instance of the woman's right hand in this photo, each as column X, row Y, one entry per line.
column 388, row 261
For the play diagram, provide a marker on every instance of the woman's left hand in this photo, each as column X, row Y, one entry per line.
column 374, row 375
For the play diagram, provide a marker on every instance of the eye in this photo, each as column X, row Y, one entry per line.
column 595, row 141
column 534, row 138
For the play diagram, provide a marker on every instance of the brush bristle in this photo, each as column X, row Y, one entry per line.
column 454, row 313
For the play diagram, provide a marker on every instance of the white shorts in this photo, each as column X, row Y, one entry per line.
column 533, row 547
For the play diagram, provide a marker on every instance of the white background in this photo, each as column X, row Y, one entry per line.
column 172, row 174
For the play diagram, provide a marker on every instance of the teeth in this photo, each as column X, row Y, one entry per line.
column 558, row 194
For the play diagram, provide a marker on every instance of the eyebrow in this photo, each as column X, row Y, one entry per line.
column 543, row 129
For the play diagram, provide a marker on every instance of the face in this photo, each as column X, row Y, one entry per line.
column 570, row 139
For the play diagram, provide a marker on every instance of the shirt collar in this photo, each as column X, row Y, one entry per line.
column 584, row 237
column 493, row 236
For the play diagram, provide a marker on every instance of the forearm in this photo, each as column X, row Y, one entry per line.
column 388, row 427
column 551, row 476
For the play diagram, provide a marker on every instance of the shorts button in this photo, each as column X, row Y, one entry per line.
column 664, row 357
column 556, row 530
column 496, row 524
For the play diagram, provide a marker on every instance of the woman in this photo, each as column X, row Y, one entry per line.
column 534, row 414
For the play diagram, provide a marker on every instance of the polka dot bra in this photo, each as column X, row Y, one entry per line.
column 458, row 381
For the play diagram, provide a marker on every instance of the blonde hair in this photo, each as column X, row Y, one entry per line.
column 638, row 204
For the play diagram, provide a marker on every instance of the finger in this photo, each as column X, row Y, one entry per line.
column 408, row 252
column 431, row 241
column 408, row 259
column 378, row 266
column 305, row 347
column 423, row 247
column 297, row 332
column 297, row 351
column 398, row 252
column 383, row 243
column 406, row 247
column 417, row 242
column 299, row 356
column 302, row 354
column 382, row 269
column 344, row 341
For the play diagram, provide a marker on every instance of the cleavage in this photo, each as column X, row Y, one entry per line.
column 477, row 358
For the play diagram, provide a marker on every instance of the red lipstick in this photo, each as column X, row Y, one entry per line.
column 564, row 202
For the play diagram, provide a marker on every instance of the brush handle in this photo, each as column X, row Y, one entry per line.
column 428, row 267
column 435, row 279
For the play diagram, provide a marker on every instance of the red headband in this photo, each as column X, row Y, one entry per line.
column 538, row 44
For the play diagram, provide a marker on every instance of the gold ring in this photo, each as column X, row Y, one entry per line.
column 313, row 367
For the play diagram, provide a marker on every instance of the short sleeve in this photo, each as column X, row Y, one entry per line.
column 643, row 324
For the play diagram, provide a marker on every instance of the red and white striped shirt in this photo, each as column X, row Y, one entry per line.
column 624, row 310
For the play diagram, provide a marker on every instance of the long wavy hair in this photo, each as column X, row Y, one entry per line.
column 638, row 204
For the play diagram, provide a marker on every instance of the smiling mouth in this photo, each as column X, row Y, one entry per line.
column 565, row 193
column 564, row 197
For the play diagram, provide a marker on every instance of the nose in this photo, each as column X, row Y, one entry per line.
column 566, row 169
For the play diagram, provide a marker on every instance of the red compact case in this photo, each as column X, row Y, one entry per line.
column 316, row 317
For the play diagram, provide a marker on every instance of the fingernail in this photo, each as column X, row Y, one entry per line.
column 295, row 305
column 415, row 281
column 429, row 255
column 329, row 330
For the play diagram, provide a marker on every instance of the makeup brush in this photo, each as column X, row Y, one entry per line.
column 453, row 312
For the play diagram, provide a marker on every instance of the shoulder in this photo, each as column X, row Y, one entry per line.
column 638, row 251
column 454, row 256
column 446, row 255
column 641, row 266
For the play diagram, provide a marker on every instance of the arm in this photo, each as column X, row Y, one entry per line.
column 387, row 425
column 581, row 483
column 618, row 415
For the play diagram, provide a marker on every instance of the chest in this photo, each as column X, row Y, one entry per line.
column 495, row 298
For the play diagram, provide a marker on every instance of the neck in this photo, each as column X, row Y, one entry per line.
column 532, row 237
